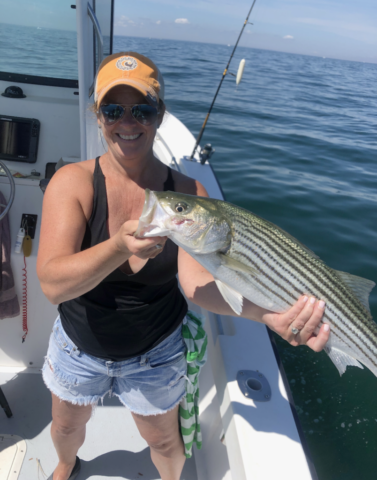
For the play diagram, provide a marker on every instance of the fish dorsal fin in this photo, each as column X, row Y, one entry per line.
column 360, row 286
column 236, row 265
column 341, row 360
column 230, row 295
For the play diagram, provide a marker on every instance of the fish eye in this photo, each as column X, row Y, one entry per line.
column 181, row 207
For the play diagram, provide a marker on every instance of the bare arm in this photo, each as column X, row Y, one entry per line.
column 200, row 287
column 63, row 270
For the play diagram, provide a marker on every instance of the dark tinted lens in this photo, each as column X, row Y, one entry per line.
column 111, row 113
column 144, row 114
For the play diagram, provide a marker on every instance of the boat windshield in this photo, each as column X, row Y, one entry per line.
column 104, row 10
column 39, row 38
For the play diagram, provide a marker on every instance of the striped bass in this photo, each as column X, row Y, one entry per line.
column 253, row 258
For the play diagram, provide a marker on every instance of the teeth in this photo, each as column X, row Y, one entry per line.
column 129, row 137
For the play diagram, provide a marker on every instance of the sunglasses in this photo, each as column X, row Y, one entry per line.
column 143, row 114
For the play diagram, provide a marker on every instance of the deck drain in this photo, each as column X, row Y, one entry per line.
column 253, row 384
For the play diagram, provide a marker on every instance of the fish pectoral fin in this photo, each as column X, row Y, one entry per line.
column 230, row 295
column 360, row 286
column 341, row 360
column 236, row 265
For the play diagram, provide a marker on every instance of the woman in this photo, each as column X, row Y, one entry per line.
column 119, row 303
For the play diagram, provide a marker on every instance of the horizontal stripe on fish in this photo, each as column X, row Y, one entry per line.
column 271, row 266
column 368, row 351
column 274, row 282
column 319, row 287
column 330, row 313
column 333, row 280
column 327, row 273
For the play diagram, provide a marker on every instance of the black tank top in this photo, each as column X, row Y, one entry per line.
column 125, row 315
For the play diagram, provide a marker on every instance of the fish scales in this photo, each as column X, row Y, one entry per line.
column 305, row 271
column 314, row 277
column 261, row 256
column 253, row 258
column 336, row 320
column 304, row 260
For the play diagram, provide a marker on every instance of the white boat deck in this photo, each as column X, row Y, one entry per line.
column 113, row 448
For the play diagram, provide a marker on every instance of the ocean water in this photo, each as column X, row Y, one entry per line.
column 296, row 144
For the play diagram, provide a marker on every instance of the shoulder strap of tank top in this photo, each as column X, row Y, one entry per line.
column 97, row 167
column 96, row 229
column 169, row 184
column 99, row 194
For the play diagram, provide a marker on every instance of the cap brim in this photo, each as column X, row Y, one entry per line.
column 149, row 94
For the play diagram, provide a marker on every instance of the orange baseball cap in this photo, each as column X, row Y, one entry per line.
column 133, row 69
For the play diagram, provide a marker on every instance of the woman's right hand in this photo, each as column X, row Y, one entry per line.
column 140, row 247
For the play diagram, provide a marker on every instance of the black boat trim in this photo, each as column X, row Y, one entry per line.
column 36, row 80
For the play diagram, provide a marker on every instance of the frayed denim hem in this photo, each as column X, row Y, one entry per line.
column 149, row 414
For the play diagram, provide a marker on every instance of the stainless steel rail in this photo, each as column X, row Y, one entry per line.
column 173, row 159
column 12, row 190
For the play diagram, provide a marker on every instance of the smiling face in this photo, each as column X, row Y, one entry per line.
column 127, row 138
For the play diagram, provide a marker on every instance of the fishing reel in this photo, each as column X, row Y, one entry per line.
column 206, row 153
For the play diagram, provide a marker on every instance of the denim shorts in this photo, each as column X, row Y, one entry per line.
column 149, row 384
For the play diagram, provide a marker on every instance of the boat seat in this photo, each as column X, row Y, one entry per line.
column 51, row 168
column 43, row 184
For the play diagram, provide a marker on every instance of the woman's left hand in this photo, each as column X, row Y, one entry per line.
column 304, row 318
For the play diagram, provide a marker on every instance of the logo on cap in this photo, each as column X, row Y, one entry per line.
column 126, row 63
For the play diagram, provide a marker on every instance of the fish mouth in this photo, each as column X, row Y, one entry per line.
column 152, row 219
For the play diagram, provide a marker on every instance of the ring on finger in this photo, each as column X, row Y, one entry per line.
column 295, row 330
column 158, row 246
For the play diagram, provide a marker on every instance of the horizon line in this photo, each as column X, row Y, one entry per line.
column 250, row 48
column 370, row 62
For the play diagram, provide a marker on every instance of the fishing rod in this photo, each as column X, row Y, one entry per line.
column 221, row 81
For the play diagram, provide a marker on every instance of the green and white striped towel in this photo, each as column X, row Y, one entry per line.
column 195, row 338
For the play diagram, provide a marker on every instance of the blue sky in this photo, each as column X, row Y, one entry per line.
column 331, row 28
column 342, row 29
